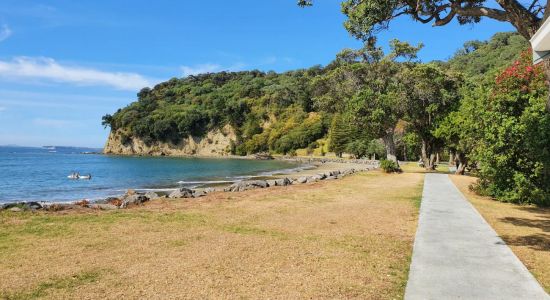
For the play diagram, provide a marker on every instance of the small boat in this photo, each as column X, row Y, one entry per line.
column 76, row 175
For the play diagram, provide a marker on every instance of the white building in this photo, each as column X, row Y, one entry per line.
column 540, row 42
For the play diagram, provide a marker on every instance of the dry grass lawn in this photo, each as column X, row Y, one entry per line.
column 526, row 229
column 413, row 167
column 350, row 238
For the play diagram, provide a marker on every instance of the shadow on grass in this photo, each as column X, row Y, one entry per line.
column 541, row 224
column 538, row 241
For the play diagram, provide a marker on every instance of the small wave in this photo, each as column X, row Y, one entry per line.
column 237, row 178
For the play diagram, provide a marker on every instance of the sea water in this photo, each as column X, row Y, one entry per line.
column 40, row 174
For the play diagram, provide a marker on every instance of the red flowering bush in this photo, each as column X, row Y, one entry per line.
column 521, row 76
column 514, row 136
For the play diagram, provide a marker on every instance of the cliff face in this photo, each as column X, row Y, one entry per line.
column 215, row 143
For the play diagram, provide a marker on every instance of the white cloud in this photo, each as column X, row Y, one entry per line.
column 2, row 108
column 5, row 32
column 49, row 69
column 209, row 68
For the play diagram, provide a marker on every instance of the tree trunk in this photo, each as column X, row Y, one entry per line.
column 462, row 164
column 390, row 146
column 451, row 158
column 432, row 161
column 427, row 157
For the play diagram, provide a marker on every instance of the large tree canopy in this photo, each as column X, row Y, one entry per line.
column 367, row 17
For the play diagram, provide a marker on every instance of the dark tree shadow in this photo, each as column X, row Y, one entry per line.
column 544, row 225
column 538, row 241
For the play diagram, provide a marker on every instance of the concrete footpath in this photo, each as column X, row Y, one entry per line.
column 457, row 255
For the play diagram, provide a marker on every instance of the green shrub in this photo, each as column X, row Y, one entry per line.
column 513, row 149
column 389, row 166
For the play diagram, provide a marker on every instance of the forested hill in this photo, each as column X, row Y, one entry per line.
column 268, row 111
column 482, row 58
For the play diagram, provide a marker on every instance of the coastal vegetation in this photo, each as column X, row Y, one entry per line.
column 484, row 109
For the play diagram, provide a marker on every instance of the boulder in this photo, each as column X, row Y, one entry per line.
column 348, row 172
column 209, row 190
column 246, row 185
column 199, row 193
column 16, row 209
column 151, row 195
column 259, row 183
column 322, row 176
column 60, row 206
column 33, row 205
column 302, row 179
column 10, row 205
column 181, row 193
column 271, row 182
column 282, row 182
column 135, row 199
column 22, row 205
column 111, row 200
column 330, row 178
column 130, row 192
column 315, row 178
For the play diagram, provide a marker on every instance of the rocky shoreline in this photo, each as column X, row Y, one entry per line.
column 132, row 198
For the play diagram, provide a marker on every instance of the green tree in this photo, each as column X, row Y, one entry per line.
column 430, row 95
column 339, row 135
column 366, row 87
column 366, row 18
column 461, row 129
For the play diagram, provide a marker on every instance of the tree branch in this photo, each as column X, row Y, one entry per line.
column 525, row 21
column 535, row 2
column 492, row 13
column 546, row 11
column 445, row 20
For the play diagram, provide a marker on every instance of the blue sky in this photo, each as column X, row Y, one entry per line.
column 64, row 64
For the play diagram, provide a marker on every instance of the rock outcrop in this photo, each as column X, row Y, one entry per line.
column 214, row 144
